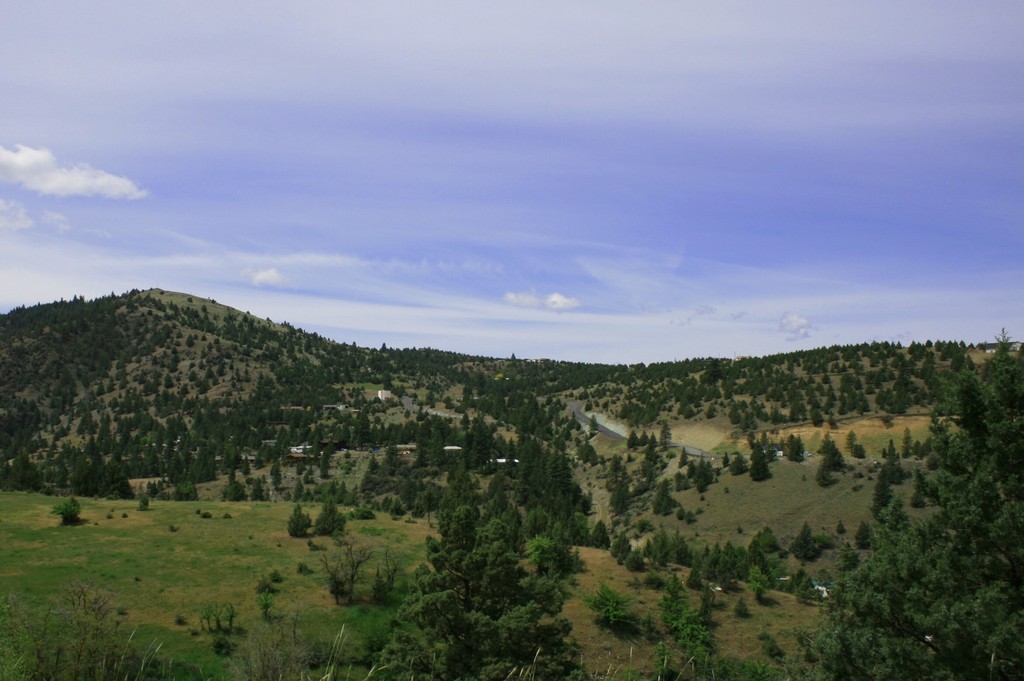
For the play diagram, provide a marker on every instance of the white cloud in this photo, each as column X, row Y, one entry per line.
column 37, row 169
column 556, row 301
column 794, row 326
column 13, row 216
column 522, row 299
column 269, row 276
column 57, row 220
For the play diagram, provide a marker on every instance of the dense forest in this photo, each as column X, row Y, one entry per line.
column 164, row 396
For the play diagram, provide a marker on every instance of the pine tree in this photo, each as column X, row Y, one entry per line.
column 663, row 503
column 862, row 539
column 299, row 522
column 803, row 546
column 474, row 611
column 759, row 469
column 941, row 598
column 330, row 520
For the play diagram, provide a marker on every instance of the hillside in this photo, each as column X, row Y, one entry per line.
column 704, row 468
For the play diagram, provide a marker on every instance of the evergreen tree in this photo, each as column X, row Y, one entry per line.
column 759, row 469
column 862, row 539
column 663, row 503
column 738, row 465
column 703, row 475
column 803, row 546
column 474, row 611
column 599, row 536
column 330, row 520
column 795, row 448
column 831, row 457
column 942, row 598
column 299, row 522
column 823, row 476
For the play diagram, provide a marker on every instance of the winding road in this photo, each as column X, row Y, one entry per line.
column 584, row 419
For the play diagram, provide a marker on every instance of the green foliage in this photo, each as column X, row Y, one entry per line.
column 738, row 465
column 634, row 561
column 549, row 556
column 663, row 503
column 330, row 521
column 78, row 637
column 611, row 607
column 862, row 538
column 685, row 625
column 68, row 510
column 942, row 598
column 759, row 469
column 473, row 611
column 758, row 583
column 265, row 603
column 803, row 547
column 599, row 536
column 299, row 522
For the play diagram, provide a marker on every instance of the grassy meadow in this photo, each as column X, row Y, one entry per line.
column 163, row 579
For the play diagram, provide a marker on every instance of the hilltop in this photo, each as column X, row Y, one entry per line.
column 701, row 468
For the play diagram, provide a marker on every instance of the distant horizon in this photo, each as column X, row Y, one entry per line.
column 393, row 346
column 607, row 183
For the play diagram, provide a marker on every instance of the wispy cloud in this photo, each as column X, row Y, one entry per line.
column 270, row 276
column 57, row 220
column 794, row 326
column 553, row 301
column 38, row 170
column 13, row 216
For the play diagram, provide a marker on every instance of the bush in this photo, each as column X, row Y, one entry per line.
column 634, row 561
column 222, row 645
column 610, row 606
column 265, row 585
column 69, row 511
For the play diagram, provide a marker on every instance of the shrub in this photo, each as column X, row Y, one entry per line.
column 265, row 585
column 610, row 606
column 634, row 561
column 69, row 511
column 222, row 645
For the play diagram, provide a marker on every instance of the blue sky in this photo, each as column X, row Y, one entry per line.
column 591, row 181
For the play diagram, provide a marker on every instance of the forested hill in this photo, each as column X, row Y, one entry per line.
column 126, row 380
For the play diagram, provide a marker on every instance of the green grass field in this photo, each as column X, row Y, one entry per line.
column 162, row 579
